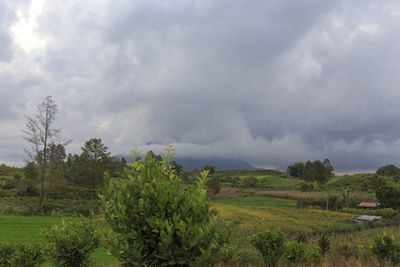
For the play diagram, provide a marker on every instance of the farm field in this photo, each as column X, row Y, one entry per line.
column 288, row 219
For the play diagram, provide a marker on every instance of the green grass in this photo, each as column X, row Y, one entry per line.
column 274, row 181
column 26, row 229
column 257, row 201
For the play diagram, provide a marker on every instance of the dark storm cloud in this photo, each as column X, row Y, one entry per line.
column 272, row 82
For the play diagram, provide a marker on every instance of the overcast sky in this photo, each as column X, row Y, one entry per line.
column 270, row 82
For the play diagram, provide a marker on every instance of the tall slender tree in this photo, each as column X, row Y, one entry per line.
column 328, row 174
column 39, row 133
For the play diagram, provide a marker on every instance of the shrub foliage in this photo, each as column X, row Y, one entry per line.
column 157, row 222
column 20, row 254
column 72, row 243
column 270, row 243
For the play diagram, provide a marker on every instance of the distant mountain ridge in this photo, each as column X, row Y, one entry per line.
column 219, row 163
column 190, row 163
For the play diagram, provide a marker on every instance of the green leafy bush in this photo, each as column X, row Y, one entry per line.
column 301, row 253
column 324, row 244
column 20, row 254
column 270, row 243
column 346, row 251
column 386, row 248
column 27, row 254
column 72, row 243
column 6, row 250
column 156, row 221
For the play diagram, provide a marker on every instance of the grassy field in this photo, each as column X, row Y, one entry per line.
column 276, row 181
column 26, row 229
column 257, row 201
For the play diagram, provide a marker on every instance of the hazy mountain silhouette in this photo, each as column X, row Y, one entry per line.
column 190, row 163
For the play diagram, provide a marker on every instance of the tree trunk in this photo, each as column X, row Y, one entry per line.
column 327, row 194
column 41, row 187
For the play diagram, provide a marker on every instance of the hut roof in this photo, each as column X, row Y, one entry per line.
column 369, row 218
column 368, row 205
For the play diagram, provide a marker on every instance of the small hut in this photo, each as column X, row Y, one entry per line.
column 368, row 205
column 368, row 218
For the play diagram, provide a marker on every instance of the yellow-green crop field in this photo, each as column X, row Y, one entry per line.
column 299, row 195
column 287, row 219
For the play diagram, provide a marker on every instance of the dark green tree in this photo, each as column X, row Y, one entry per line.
column 328, row 174
column 389, row 195
column 56, row 171
column 388, row 170
column 318, row 171
column 31, row 178
column 68, row 162
column 94, row 161
column 151, row 154
column 213, row 185
column 209, row 168
column 176, row 167
column 296, row 169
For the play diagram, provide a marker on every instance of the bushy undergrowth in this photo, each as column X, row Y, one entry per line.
column 71, row 244
column 301, row 253
column 270, row 243
column 385, row 247
column 274, row 247
column 53, row 207
column 20, row 254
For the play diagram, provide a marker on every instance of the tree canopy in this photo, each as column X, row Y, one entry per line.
column 388, row 170
column 318, row 171
column 296, row 169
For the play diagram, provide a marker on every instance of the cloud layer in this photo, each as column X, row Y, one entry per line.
column 271, row 82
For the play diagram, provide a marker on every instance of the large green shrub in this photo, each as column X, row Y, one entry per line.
column 302, row 253
column 270, row 243
column 156, row 221
column 72, row 243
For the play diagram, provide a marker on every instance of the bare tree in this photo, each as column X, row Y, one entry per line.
column 40, row 133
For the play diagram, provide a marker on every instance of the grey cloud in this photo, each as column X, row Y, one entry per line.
column 5, row 39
